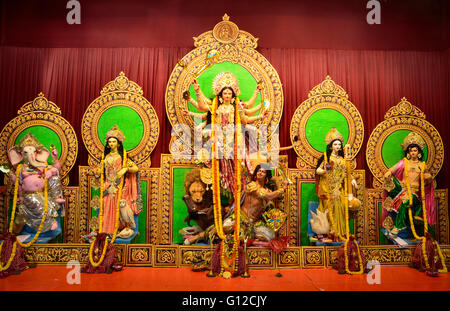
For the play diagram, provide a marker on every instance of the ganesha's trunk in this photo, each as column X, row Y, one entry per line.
column 32, row 161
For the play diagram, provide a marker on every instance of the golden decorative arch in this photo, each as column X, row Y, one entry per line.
column 42, row 112
column 121, row 92
column 232, row 45
column 403, row 116
column 326, row 95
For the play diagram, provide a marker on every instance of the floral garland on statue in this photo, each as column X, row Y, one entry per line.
column 13, row 213
column 91, row 248
column 330, row 210
column 11, row 257
column 215, row 172
column 347, row 230
column 237, row 188
column 216, row 187
column 425, row 221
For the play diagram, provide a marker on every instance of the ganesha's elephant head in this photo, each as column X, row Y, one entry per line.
column 30, row 150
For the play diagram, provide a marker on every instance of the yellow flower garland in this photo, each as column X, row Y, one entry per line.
column 330, row 209
column 237, row 190
column 44, row 216
column 347, row 230
column 100, row 226
column 215, row 173
column 11, row 257
column 13, row 213
column 216, row 184
column 410, row 198
column 16, row 188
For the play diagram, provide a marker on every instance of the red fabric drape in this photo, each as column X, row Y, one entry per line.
column 374, row 80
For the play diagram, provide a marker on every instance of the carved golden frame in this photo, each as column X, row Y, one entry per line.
column 121, row 92
column 42, row 112
column 235, row 46
column 328, row 95
column 403, row 116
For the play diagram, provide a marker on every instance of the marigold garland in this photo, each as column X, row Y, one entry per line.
column 425, row 220
column 330, row 209
column 347, row 231
column 44, row 216
column 215, row 173
column 100, row 226
column 237, row 190
column 13, row 213
column 216, row 184
column 11, row 257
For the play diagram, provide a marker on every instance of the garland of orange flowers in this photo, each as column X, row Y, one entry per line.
column 216, row 184
column 13, row 213
column 425, row 220
column 215, row 172
column 347, row 229
column 330, row 209
column 237, row 188
column 100, row 226
column 41, row 225
column 8, row 263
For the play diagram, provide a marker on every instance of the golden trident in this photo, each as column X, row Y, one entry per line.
column 211, row 58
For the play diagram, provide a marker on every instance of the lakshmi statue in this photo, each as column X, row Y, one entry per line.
column 408, row 192
column 120, row 188
column 331, row 175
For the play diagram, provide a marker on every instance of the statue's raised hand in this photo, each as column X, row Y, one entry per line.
column 196, row 85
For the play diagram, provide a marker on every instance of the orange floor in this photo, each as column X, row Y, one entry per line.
column 53, row 278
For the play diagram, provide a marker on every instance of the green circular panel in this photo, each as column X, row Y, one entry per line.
column 320, row 123
column 247, row 83
column 392, row 151
column 127, row 120
column 45, row 136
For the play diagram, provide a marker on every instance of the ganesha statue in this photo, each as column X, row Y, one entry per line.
column 37, row 190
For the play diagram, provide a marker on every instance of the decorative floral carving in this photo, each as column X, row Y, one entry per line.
column 403, row 116
column 41, row 112
column 121, row 92
column 326, row 95
column 235, row 46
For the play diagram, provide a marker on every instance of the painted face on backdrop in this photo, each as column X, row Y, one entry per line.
column 336, row 146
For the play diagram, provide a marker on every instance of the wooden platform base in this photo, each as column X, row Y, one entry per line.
column 179, row 256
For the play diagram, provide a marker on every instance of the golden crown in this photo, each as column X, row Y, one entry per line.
column 30, row 140
column 332, row 135
column 225, row 79
column 116, row 133
column 413, row 138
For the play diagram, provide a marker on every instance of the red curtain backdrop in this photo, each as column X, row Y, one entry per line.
column 375, row 81
column 407, row 55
